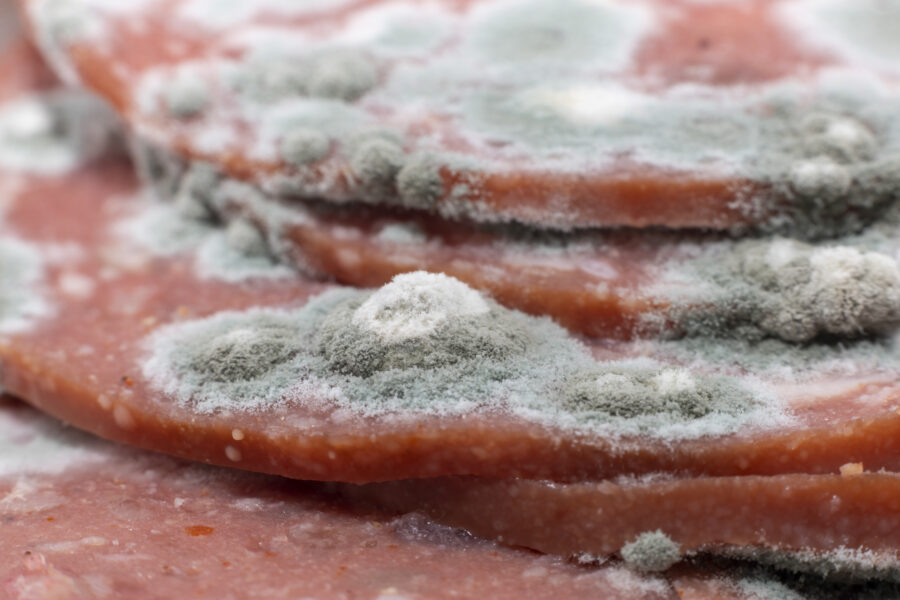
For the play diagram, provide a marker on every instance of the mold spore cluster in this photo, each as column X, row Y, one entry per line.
column 835, row 173
column 251, row 356
column 799, row 292
column 304, row 114
column 419, row 321
column 428, row 344
column 188, row 220
column 640, row 398
column 651, row 551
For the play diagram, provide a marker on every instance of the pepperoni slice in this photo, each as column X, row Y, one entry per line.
column 93, row 311
column 87, row 519
column 564, row 114
column 84, row 307
column 788, row 513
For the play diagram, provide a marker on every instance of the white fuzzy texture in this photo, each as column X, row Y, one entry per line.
column 216, row 259
column 781, row 252
column 612, row 382
column 21, row 270
column 837, row 265
column 32, row 443
column 818, row 176
column 163, row 231
column 674, row 381
column 587, row 104
column 415, row 305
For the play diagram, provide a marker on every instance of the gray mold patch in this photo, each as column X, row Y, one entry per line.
column 825, row 167
column 494, row 336
column 333, row 119
column 834, row 174
column 651, row 552
column 342, row 75
column 271, row 79
column 245, row 237
column 428, row 344
column 798, row 292
column 164, row 230
column 651, row 398
column 21, row 271
column 303, row 146
column 246, row 353
column 760, row 588
column 244, row 360
column 402, row 233
column 483, row 375
column 186, row 95
column 585, row 123
column 188, row 224
column 375, row 164
column 419, row 183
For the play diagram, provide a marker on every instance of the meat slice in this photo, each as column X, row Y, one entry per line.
column 83, row 518
column 562, row 114
column 819, row 516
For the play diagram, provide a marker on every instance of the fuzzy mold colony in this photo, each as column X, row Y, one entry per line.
column 428, row 344
column 797, row 292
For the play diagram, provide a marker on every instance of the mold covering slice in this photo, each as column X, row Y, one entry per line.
column 552, row 96
column 428, row 344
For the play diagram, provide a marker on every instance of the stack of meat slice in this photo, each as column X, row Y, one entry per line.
column 638, row 263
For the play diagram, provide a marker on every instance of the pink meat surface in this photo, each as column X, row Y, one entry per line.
column 84, row 518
